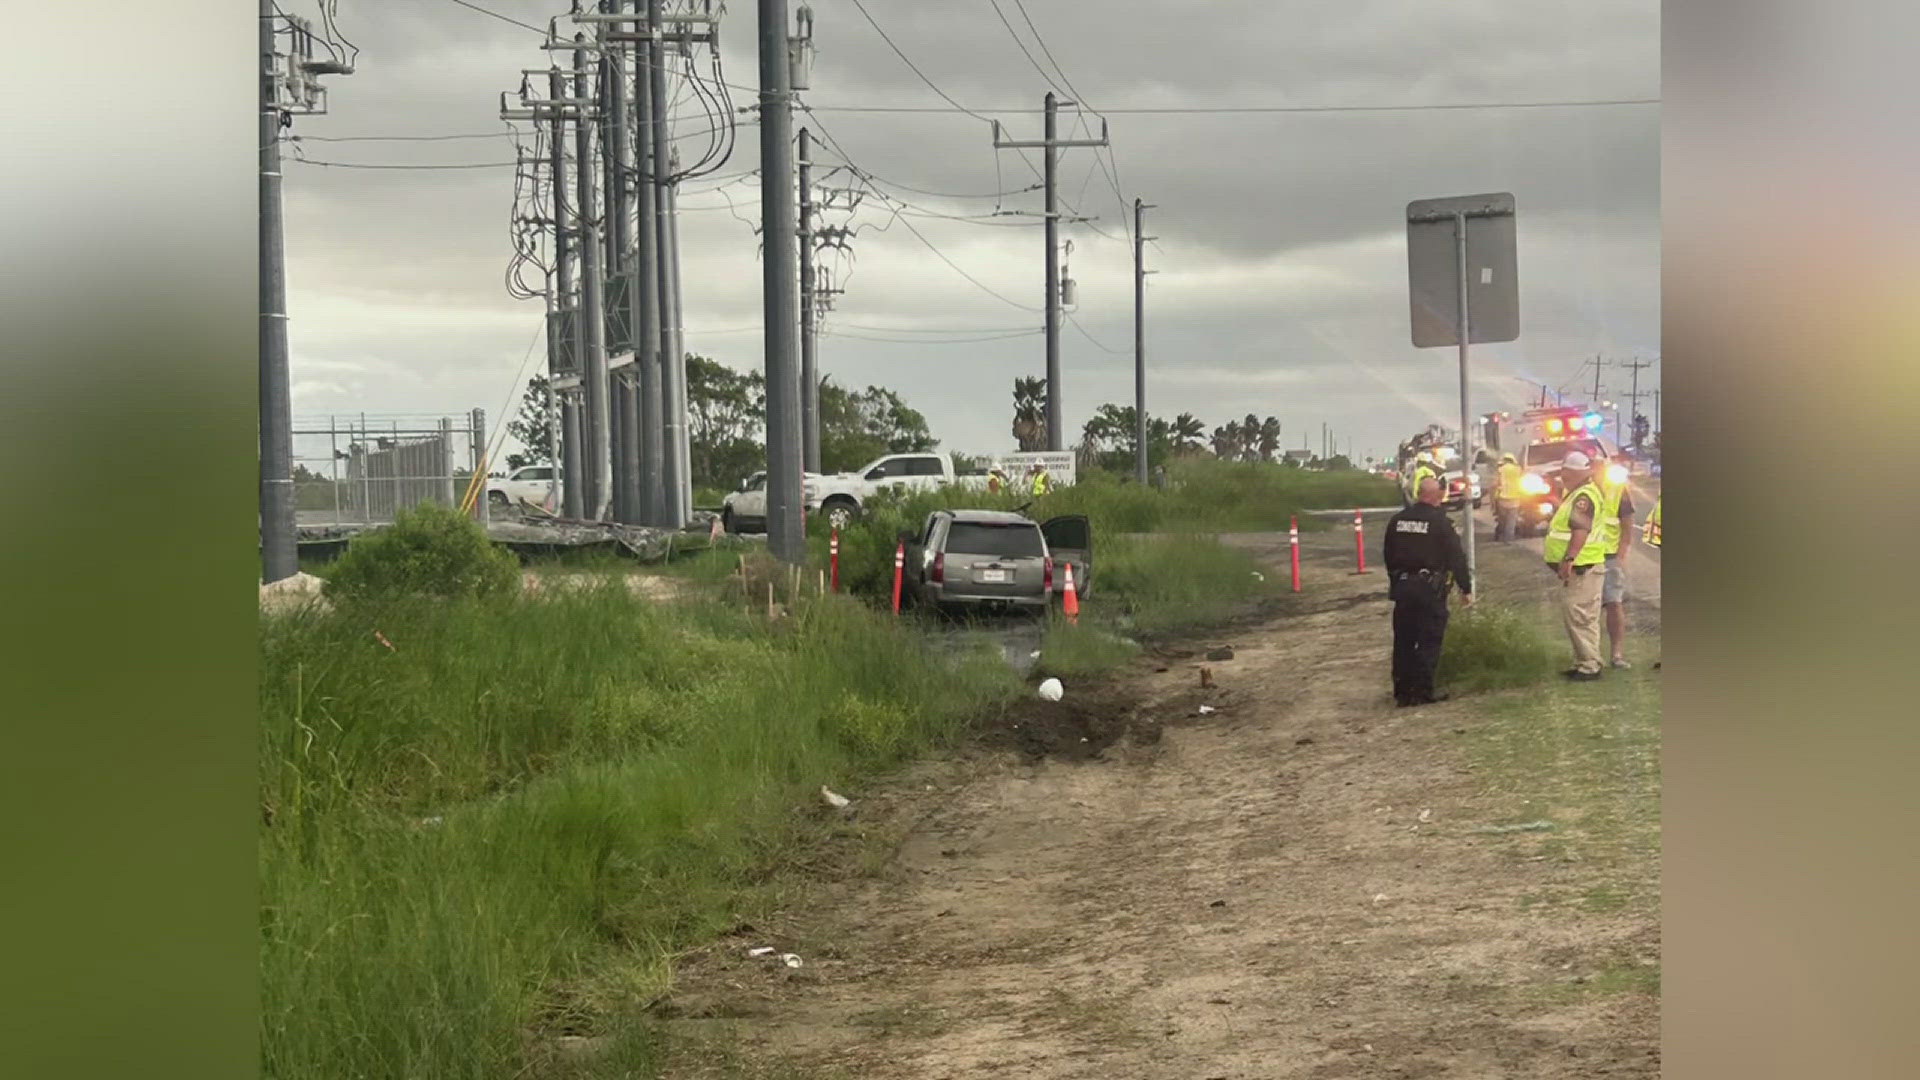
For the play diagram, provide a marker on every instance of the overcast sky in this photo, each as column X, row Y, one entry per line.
column 1281, row 259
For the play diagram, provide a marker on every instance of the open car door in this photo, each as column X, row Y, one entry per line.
column 1070, row 540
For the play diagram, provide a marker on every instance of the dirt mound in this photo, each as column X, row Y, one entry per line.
column 1078, row 727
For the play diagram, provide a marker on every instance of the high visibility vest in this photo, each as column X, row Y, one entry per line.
column 1653, row 525
column 1607, row 525
column 1420, row 472
column 1041, row 483
column 1510, row 475
column 1560, row 529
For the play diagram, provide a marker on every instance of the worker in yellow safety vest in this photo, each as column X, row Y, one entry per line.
column 1042, row 482
column 1424, row 466
column 1575, row 551
column 1616, row 536
column 1506, row 500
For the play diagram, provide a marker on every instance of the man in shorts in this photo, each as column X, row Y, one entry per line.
column 1616, row 532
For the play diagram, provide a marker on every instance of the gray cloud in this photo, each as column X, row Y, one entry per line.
column 1282, row 276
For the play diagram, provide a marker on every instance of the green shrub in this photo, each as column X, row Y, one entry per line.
column 429, row 550
column 1493, row 647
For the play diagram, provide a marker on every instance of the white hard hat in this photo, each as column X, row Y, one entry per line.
column 1578, row 460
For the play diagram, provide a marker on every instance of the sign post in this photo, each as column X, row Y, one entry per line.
column 1464, row 288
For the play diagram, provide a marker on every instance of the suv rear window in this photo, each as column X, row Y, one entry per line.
column 972, row 538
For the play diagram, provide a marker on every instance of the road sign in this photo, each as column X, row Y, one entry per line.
column 1464, row 288
column 1433, row 269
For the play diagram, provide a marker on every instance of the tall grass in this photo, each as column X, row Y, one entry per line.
column 506, row 823
column 1495, row 647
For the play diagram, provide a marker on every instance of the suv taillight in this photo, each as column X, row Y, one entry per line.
column 1047, row 582
column 940, row 568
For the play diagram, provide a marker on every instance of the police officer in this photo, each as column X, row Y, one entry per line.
column 1422, row 552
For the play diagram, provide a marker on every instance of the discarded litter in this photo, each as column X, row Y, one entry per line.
column 759, row 951
column 838, row 802
column 1051, row 690
column 1530, row 826
column 1034, row 655
column 1208, row 710
column 1258, row 576
column 1426, row 816
column 1380, row 898
column 790, row 960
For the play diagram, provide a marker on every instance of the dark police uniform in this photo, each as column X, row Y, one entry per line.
column 1422, row 552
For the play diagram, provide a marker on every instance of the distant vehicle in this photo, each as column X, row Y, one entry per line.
column 530, row 484
column 995, row 560
column 842, row 497
column 745, row 508
column 1462, row 484
column 1540, row 440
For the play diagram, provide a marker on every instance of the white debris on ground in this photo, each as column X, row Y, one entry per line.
column 1051, row 690
column 837, row 801
column 291, row 592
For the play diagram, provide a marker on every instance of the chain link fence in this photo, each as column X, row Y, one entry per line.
column 364, row 469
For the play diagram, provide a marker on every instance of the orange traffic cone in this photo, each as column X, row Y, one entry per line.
column 1070, row 603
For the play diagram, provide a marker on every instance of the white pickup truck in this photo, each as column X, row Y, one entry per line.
column 841, row 496
column 530, row 484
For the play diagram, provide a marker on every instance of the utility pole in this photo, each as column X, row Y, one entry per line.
column 618, row 167
column 279, row 547
column 654, row 426
column 809, row 318
column 779, row 280
column 593, row 326
column 1052, row 145
column 674, row 358
column 645, row 295
column 1139, row 340
column 572, row 461
column 279, row 550
column 1633, row 395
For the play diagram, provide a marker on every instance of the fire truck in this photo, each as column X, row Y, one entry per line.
column 1540, row 440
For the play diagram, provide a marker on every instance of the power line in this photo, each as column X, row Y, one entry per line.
column 983, row 287
column 372, row 165
column 1097, row 342
column 932, row 341
column 957, row 330
column 1044, row 77
column 1183, row 110
column 948, row 98
column 503, row 18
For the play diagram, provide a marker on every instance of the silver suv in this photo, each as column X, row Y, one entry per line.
column 993, row 559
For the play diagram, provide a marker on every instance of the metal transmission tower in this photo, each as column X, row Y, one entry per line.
column 1140, row 273
column 289, row 86
column 1052, row 144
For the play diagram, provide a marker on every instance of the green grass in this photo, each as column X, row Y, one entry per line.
column 1497, row 647
column 1069, row 651
column 511, row 820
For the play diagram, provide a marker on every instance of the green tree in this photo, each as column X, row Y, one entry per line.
column 1269, row 437
column 533, row 425
column 726, row 415
column 856, row 427
column 1189, row 433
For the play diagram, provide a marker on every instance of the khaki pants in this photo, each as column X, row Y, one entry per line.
column 1580, row 603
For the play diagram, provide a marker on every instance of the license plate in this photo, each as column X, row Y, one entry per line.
column 993, row 576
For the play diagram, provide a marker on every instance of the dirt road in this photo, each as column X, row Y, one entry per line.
column 1304, row 883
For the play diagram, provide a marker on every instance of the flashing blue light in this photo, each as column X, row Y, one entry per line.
column 1593, row 421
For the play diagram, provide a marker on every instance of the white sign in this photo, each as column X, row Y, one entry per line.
column 1059, row 465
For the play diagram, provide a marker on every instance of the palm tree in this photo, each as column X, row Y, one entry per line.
column 1188, row 432
column 1226, row 441
column 1030, row 413
column 1269, row 438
